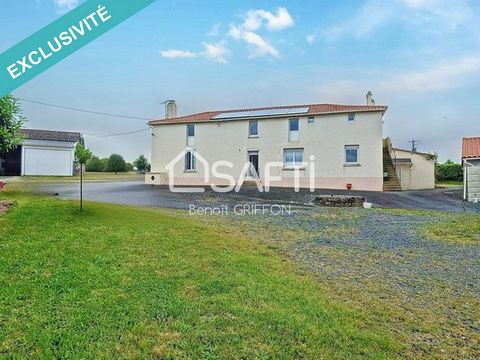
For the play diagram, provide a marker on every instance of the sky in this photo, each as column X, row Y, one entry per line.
column 419, row 57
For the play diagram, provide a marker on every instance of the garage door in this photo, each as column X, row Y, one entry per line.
column 47, row 161
column 473, row 174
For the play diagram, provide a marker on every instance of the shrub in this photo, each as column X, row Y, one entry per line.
column 449, row 172
column 116, row 163
column 95, row 165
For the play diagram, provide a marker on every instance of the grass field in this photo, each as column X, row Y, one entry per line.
column 119, row 282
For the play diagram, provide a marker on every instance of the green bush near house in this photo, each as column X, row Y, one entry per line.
column 95, row 165
column 449, row 171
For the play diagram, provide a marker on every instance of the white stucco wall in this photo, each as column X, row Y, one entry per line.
column 325, row 139
column 420, row 175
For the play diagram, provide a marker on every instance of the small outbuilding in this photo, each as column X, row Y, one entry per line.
column 471, row 168
column 407, row 170
column 416, row 169
column 42, row 153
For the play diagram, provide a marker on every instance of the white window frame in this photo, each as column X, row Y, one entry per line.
column 190, row 138
column 193, row 161
column 294, row 164
column 250, row 135
column 352, row 147
column 311, row 119
column 351, row 117
column 293, row 135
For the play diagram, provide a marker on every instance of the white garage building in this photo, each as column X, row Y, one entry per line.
column 43, row 153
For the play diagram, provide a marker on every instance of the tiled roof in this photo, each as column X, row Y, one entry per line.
column 313, row 109
column 33, row 134
column 471, row 147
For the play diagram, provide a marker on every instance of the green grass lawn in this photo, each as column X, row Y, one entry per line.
column 457, row 228
column 449, row 183
column 119, row 282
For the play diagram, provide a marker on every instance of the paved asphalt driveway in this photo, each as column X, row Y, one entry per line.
column 136, row 193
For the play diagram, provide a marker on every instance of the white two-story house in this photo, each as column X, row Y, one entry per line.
column 335, row 146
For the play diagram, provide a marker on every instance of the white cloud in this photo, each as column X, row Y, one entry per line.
column 214, row 30
column 253, row 22
column 443, row 76
column 420, row 3
column 177, row 54
column 259, row 46
column 432, row 16
column 247, row 31
column 311, row 38
column 66, row 5
column 372, row 16
column 217, row 52
column 254, row 19
column 448, row 75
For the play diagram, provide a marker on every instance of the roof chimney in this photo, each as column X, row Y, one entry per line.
column 170, row 109
column 370, row 100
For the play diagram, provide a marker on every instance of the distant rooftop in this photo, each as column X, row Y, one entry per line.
column 471, row 147
column 34, row 134
column 269, row 112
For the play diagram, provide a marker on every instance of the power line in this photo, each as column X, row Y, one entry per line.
column 118, row 134
column 84, row 111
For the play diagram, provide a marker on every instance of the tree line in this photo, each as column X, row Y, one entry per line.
column 116, row 163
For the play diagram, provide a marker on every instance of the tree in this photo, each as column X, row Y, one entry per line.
column 128, row 167
column 82, row 155
column 116, row 163
column 104, row 162
column 11, row 122
column 142, row 164
column 94, row 164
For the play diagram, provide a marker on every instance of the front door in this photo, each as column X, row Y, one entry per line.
column 253, row 160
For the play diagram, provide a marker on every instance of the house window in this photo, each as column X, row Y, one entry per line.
column 292, row 158
column 311, row 119
column 351, row 154
column 351, row 117
column 253, row 128
column 293, row 126
column 190, row 135
column 190, row 161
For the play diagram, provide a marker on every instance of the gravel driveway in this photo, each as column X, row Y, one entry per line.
column 136, row 193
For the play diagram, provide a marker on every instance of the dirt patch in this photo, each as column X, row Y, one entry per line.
column 5, row 205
